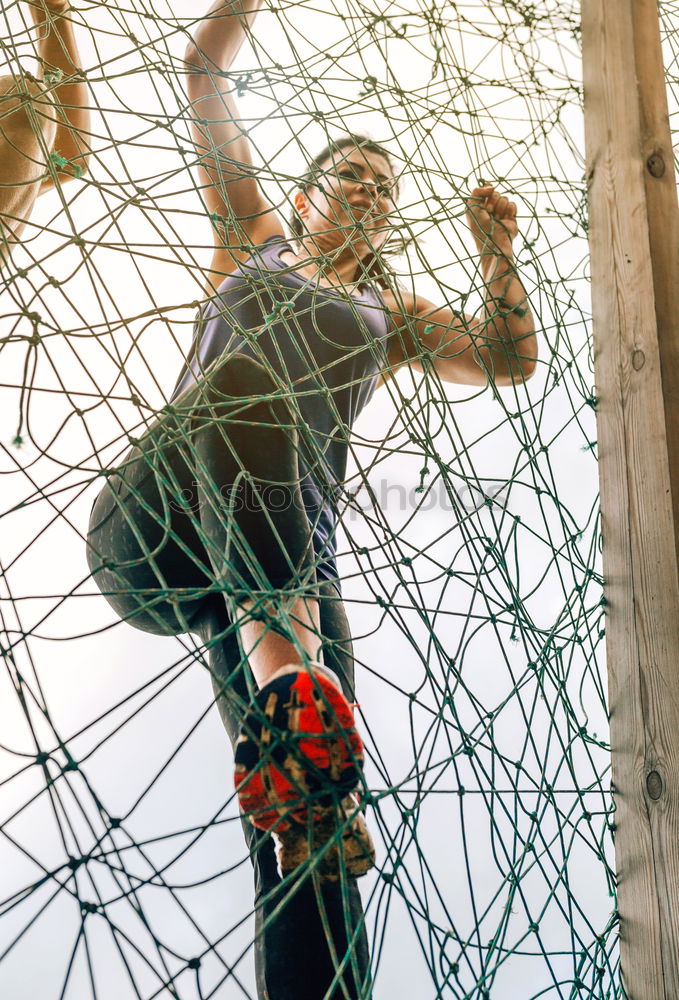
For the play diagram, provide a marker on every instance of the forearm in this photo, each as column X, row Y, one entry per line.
column 221, row 33
column 510, row 343
column 60, row 60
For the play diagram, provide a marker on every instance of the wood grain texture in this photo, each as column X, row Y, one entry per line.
column 635, row 285
column 663, row 217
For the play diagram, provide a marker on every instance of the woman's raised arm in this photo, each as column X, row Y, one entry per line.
column 240, row 213
column 500, row 343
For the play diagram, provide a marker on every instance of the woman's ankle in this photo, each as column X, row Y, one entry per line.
column 312, row 667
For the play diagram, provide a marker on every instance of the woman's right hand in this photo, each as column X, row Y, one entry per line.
column 491, row 218
column 41, row 9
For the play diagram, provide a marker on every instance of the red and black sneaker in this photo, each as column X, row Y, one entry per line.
column 298, row 762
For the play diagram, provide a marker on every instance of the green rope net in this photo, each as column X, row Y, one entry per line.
column 469, row 543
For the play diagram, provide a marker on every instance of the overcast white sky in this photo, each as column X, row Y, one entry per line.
column 123, row 702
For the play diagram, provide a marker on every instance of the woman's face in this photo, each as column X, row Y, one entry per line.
column 354, row 195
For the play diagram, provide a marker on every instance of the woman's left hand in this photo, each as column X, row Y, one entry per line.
column 491, row 218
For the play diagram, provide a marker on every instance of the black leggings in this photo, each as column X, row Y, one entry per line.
column 177, row 536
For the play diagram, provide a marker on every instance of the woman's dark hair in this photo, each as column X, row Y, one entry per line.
column 373, row 266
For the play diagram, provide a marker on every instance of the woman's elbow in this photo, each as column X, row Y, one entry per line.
column 523, row 359
column 519, row 370
column 528, row 368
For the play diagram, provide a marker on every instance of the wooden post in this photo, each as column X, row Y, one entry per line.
column 634, row 244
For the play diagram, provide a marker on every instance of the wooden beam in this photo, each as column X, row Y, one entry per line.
column 663, row 217
column 634, row 246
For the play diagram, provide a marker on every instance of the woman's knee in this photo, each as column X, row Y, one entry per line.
column 134, row 558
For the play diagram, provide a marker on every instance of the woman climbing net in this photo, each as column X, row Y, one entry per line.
column 285, row 356
column 223, row 520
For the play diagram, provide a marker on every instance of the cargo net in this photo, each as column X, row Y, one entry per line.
column 468, row 539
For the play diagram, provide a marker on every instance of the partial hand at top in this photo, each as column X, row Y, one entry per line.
column 491, row 218
column 41, row 9
column 52, row 5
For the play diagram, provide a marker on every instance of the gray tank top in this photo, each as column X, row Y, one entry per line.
column 325, row 345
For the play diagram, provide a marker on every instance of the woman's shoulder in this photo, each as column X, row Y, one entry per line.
column 251, row 259
column 399, row 301
column 230, row 257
